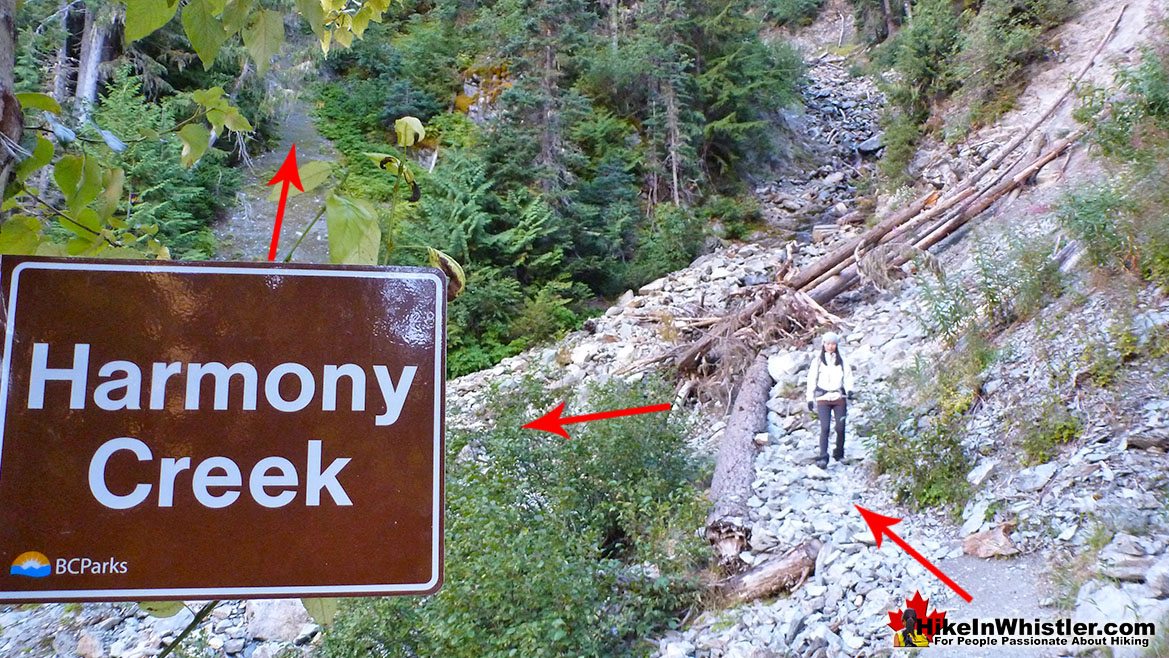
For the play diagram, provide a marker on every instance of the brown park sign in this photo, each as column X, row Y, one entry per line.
column 183, row 431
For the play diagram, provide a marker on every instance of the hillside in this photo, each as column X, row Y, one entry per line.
column 1012, row 400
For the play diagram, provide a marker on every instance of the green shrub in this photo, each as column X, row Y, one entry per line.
column 668, row 242
column 1000, row 40
column 1048, row 428
column 793, row 12
column 554, row 548
column 926, row 461
column 900, row 143
column 928, row 468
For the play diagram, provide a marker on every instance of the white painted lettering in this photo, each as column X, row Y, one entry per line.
column 42, row 373
column 97, row 473
column 394, row 396
column 203, row 480
column 326, row 479
column 333, row 374
column 130, row 385
column 222, row 375
column 308, row 387
column 260, row 480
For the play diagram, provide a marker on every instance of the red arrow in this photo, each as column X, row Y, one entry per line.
column 286, row 174
column 552, row 421
column 879, row 524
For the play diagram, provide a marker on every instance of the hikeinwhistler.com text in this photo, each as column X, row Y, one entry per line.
column 1014, row 632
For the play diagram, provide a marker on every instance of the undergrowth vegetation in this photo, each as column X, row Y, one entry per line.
column 554, row 548
column 953, row 69
column 918, row 442
column 1122, row 222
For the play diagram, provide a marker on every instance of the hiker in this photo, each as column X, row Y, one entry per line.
column 910, row 635
column 829, row 389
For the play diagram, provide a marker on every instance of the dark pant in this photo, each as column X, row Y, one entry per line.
column 826, row 409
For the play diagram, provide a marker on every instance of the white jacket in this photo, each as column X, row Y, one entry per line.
column 830, row 377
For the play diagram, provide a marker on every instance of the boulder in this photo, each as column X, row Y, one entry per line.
column 995, row 542
column 278, row 620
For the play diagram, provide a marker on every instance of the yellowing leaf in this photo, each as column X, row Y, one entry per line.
column 312, row 175
column 456, row 278
column 205, row 32
column 409, row 131
column 361, row 21
column 321, row 610
column 38, row 101
column 263, row 37
column 21, row 234
column 196, row 138
column 42, row 154
column 115, row 180
column 162, row 608
column 145, row 16
column 354, row 233
column 343, row 36
column 236, row 121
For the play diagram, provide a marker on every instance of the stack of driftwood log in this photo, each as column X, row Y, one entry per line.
column 795, row 303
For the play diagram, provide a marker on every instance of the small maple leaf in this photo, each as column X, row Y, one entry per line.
column 930, row 621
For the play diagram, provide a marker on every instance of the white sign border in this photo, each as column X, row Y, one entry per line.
column 191, row 593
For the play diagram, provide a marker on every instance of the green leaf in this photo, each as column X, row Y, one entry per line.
column 20, row 235
column 196, row 138
column 37, row 101
column 79, row 179
column 311, row 176
column 321, row 610
column 409, row 131
column 85, row 224
column 361, row 20
column 205, row 32
column 146, row 16
column 354, row 233
column 162, row 608
column 42, row 154
column 263, row 37
column 312, row 12
column 235, row 15
column 209, row 98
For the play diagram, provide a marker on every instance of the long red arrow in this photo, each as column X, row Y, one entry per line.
column 554, row 423
column 880, row 523
column 286, row 174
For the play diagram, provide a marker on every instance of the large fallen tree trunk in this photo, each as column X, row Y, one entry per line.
column 779, row 574
column 726, row 524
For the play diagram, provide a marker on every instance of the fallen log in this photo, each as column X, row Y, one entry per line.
column 779, row 574
column 726, row 524
column 1152, row 439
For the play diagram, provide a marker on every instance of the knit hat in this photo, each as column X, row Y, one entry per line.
column 830, row 337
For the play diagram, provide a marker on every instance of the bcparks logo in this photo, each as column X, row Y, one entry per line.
column 913, row 626
column 31, row 564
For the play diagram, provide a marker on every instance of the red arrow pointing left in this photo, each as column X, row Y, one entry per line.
column 880, row 523
column 287, row 174
column 554, row 423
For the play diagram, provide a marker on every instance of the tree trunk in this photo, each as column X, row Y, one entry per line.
column 781, row 574
column 63, row 65
column 11, row 119
column 93, row 46
column 889, row 25
column 674, row 134
column 726, row 525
